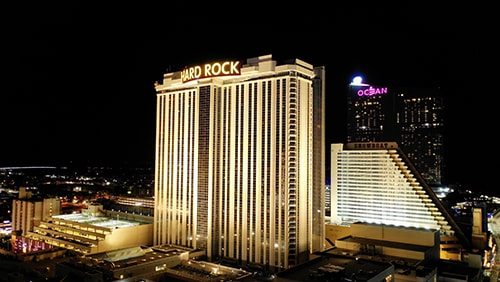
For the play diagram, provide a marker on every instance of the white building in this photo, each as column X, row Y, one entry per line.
column 240, row 160
column 374, row 182
column 27, row 211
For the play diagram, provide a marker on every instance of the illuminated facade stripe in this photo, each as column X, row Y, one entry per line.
column 240, row 163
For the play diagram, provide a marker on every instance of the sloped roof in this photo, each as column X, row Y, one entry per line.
column 123, row 254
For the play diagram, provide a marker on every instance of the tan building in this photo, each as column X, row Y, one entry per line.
column 94, row 230
column 28, row 211
column 158, row 263
column 416, row 254
column 240, row 167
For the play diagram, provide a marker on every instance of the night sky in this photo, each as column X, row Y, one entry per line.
column 78, row 79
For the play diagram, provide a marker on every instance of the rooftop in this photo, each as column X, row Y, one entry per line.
column 101, row 221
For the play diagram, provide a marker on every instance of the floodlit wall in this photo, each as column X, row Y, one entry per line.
column 334, row 232
column 140, row 235
column 348, row 245
column 418, row 242
column 394, row 234
column 403, row 253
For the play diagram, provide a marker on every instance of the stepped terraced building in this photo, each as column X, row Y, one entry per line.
column 375, row 182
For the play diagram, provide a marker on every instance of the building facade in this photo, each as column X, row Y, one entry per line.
column 240, row 160
column 92, row 231
column 412, row 117
column 374, row 182
column 28, row 211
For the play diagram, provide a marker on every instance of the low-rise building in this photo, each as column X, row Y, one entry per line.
column 94, row 230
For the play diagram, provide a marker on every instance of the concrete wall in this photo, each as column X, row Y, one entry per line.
column 427, row 239
column 352, row 246
column 335, row 232
column 395, row 234
column 141, row 235
column 403, row 253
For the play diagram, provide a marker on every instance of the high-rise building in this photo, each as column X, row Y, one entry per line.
column 240, row 160
column 374, row 182
column 421, row 125
column 370, row 113
column 412, row 117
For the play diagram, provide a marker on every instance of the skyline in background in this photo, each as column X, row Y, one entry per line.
column 78, row 83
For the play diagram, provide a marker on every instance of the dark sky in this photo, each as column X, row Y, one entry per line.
column 77, row 82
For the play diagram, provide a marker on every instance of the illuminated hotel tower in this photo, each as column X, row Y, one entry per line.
column 240, row 160
column 370, row 113
column 412, row 117
column 420, row 122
